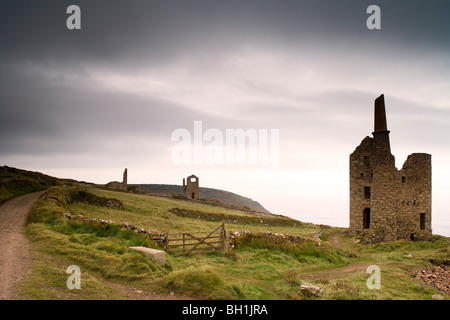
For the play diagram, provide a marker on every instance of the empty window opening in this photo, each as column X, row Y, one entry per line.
column 366, row 192
column 422, row 221
column 366, row 162
column 366, row 218
column 193, row 179
column 362, row 174
column 403, row 179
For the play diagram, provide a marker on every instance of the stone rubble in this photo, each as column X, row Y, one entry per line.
column 437, row 277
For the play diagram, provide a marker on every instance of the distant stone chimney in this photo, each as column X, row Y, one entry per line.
column 125, row 177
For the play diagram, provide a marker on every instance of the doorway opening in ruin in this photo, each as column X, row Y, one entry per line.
column 193, row 195
column 412, row 237
column 366, row 218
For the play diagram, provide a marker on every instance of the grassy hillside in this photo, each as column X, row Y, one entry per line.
column 206, row 194
column 15, row 182
column 269, row 259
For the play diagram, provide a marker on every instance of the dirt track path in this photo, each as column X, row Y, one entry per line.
column 333, row 241
column 338, row 273
column 14, row 249
column 333, row 274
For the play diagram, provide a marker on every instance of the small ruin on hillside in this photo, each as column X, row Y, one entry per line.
column 390, row 204
column 122, row 186
column 191, row 187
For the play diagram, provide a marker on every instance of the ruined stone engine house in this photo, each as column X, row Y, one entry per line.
column 191, row 187
column 394, row 204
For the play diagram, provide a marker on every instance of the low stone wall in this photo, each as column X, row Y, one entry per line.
column 158, row 238
column 234, row 219
column 277, row 238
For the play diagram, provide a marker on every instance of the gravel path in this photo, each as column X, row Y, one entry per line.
column 14, row 249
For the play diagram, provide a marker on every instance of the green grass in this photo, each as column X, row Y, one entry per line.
column 203, row 282
column 258, row 267
column 154, row 213
column 15, row 182
column 13, row 187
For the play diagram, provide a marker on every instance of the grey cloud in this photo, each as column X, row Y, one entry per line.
column 58, row 115
column 130, row 35
column 157, row 31
column 340, row 117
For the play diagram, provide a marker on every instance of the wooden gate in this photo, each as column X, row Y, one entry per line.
column 196, row 242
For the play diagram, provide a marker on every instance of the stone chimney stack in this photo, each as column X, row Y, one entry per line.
column 382, row 146
column 380, row 115
column 125, row 177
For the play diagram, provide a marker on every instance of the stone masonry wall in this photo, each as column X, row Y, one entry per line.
column 360, row 175
column 397, row 197
column 415, row 186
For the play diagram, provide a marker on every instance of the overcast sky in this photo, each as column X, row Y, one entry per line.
column 87, row 103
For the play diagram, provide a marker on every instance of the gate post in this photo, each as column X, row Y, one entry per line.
column 166, row 243
column 224, row 238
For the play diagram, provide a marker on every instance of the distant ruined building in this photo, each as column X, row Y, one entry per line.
column 122, row 186
column 387, row 203
column 190, row 187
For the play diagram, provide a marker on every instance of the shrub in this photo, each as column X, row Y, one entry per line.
column 292, row 277
column 82, row 195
